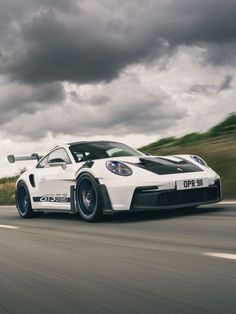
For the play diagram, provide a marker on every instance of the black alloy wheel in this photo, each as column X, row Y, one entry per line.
column 88, row 198
column 23, row 202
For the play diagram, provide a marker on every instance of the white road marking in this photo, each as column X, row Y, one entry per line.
column 8, row 227
column 220, row 255
column 228, row 203
column 7, row 206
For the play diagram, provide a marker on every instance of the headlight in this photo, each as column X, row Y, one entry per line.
column 199, row 160
column 118, row 168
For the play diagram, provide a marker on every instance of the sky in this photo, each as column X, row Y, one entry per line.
column 133, row 71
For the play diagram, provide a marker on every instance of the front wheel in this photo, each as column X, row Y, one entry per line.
column 23, row 202
column 87, row 198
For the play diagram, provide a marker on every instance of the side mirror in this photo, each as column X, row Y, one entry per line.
column 57, row 162
column 11, row 159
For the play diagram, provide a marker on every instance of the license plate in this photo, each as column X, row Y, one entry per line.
column 191, row 184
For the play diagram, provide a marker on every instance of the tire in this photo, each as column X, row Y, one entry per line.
column 23, row 202
column 87, row 197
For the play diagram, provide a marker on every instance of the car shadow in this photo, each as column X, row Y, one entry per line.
column 132, row 217
column 129, row 217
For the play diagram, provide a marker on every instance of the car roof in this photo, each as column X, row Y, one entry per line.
column 80, row 142
column 90, row 142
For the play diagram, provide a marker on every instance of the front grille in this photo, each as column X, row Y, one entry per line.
column 187, row 196
column 157, row 199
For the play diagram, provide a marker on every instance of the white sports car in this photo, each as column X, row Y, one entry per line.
column 92, row 178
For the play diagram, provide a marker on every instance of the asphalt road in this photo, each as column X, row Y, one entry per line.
column 141, row 263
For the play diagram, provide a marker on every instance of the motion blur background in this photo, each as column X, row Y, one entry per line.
column 217, row 147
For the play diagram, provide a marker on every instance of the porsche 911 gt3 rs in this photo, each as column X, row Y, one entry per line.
column 93, row 178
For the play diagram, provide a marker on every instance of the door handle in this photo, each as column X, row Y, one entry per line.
column 43, row 179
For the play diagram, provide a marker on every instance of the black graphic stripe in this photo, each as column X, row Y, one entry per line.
column 51, row 199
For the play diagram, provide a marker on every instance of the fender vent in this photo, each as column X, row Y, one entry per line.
column 32, row 181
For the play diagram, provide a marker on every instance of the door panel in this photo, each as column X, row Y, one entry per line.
column 52, row 187
column 52, row 184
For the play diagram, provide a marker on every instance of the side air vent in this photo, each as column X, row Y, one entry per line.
column 32, row 181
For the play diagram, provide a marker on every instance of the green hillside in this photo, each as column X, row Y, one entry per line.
column 7, row 190
column 217, row 147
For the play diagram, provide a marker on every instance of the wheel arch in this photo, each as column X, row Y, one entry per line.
column 103, row 192
column 21, row 181
column 86, row 171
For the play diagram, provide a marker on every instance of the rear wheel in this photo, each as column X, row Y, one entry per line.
column 88, row 198
column 23, row 202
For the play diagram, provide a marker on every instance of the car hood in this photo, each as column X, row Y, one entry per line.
column 162, row 165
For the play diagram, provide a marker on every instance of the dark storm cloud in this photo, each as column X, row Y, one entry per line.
column 201, row 88
column 76, row 48
column 226, row 83
column 45, row 43
column 191, row 21
column 27, row 99
column 92, row 41
column 222, row 54
column 212, row 88
column 150, row 113
column 92, row 100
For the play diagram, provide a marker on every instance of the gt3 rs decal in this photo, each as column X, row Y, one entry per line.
column 52, row 198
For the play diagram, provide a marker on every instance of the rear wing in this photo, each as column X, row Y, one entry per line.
column 12, row 159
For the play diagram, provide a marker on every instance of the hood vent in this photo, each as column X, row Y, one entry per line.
column 164, row 166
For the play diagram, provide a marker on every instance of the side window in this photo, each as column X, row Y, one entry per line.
column 43, row 162
column 59, row 153
column 81, row 156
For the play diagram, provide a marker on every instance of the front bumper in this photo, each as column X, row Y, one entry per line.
column 167, row 199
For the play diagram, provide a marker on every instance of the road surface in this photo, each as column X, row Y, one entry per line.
column 179, row 261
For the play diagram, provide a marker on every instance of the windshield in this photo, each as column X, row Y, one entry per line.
column 100, row 150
